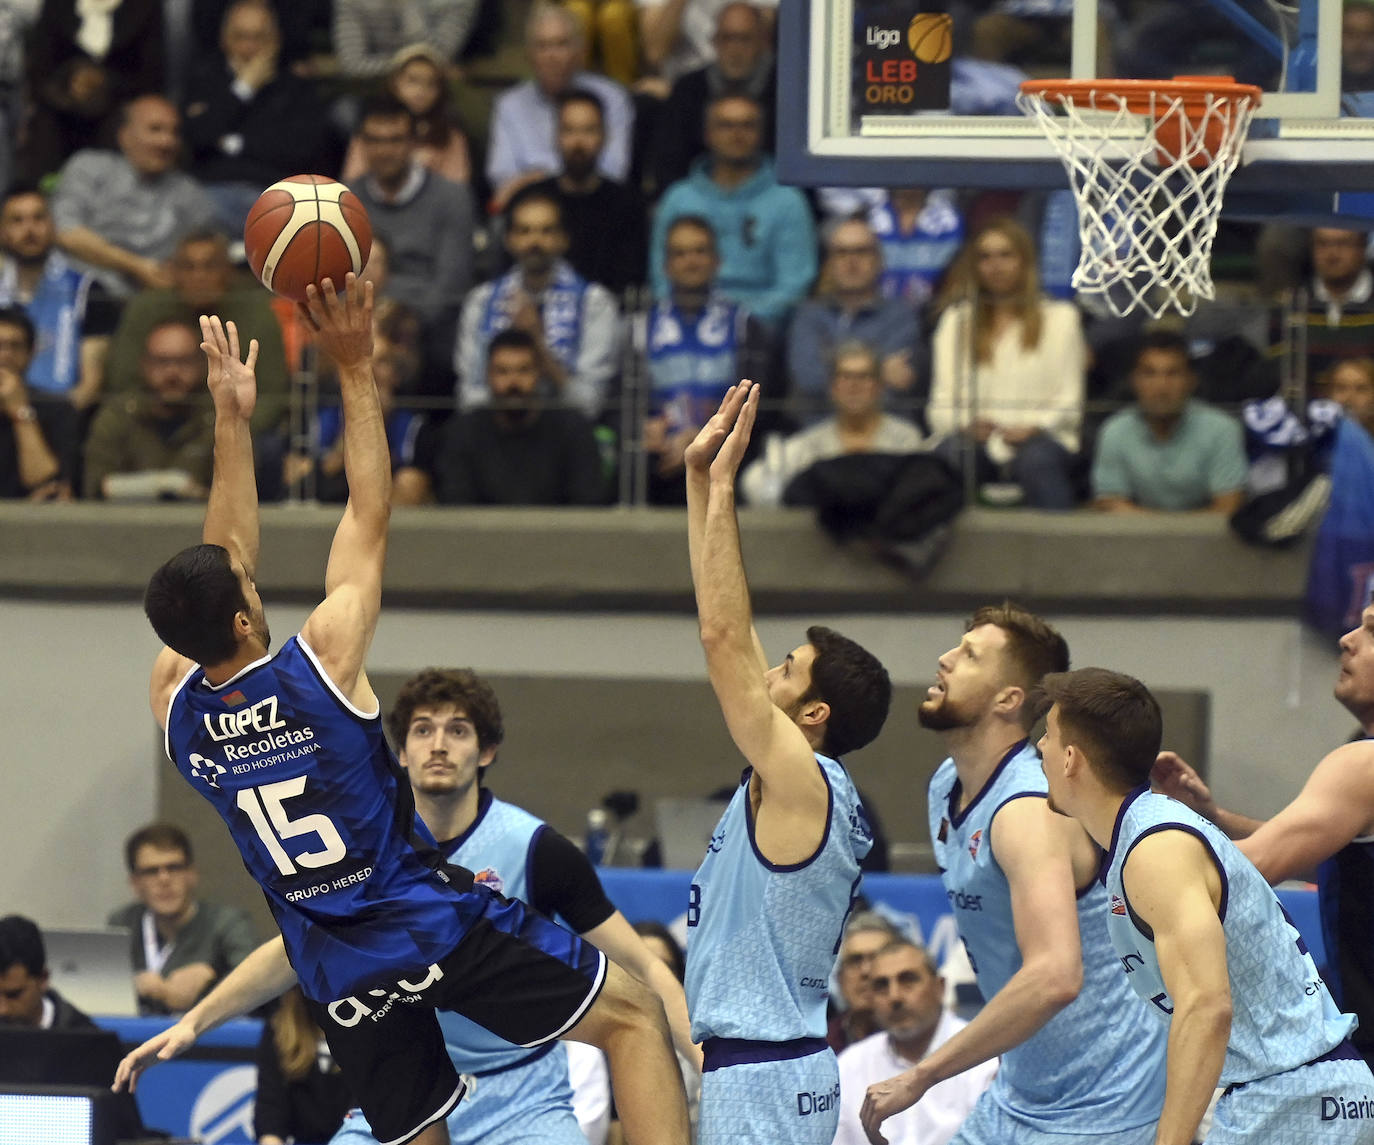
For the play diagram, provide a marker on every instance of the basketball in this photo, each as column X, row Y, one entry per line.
column 303, row 230
column 930, row 37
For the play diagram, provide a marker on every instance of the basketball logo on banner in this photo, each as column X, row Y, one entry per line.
column 902, row 56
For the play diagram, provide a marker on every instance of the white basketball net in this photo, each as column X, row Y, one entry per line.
column 1146, row 217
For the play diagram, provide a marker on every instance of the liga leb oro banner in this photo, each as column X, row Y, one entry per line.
column 902, row 52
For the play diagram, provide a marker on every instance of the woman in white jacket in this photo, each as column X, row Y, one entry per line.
column 1008, row 377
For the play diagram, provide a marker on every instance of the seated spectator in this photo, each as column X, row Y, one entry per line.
column 697, row 346
column 425, row 220
column 739, row 61
column 1007, row 380
column 158, row 443
column 418, row 79
column 1357, row 46
column 851, row 1016
column 83, row 61
column 1169, row 451
column 766, row 235
column 369, row 33
column 301, row 1094
column 609, row 27
column 180, row 945
column 248, row 122
column 1339, row 322
column 33, row 441
column 678, row 38
column 850, row 307
column 26, row 999
column 517, row 450
column 121, row 213
column 522, row 148
column 71, row 331
column 858, row 425
column 920, row 232
column 908, row 1005
column 574, row 324
column 595, row 207
column 1350, row 384
column 396, row 363
column 203, row 282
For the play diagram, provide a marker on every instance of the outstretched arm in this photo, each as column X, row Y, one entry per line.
column 769, row 739
column 231, row 515
column 1173, row 776
column 1173, row 884
column 263, row 975
column 1034, row 848
column 340, row 629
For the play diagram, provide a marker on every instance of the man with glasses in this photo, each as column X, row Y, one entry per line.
column 851, row 306
column 180, row 945
column 764, row 231
column 424, row 220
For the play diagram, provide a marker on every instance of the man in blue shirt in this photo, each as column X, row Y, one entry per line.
column 1169, row 451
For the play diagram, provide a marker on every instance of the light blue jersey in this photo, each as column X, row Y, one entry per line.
column 1282, row 1013
column 515, row 1095
column 762, row 938
column 1097, row 1067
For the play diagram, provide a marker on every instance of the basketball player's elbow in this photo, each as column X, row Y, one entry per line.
column 1060, row 980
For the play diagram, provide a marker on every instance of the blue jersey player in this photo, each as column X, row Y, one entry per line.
column 1202, row 938
column 288, row 748
column 1081, row 1061
column 1328, row 828
column 768, row 904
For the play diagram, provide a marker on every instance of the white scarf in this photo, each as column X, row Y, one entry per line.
column 97, row 26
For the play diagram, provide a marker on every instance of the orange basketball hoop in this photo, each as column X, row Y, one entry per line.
column 1148, row 161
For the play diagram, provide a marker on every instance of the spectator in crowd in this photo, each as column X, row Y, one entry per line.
column 71, row 339
column 180, row 945
column 158, row 443
column 425, row 220
column 1357, row 46
column 33, row 441
column 661, row 943
column 574, row 324
column 920, row 232
column 857, row 425
column 595, row 207
column 1009, row 366
column 1340, row 316
column 301, row 1094
column 851, row 306
column 697, row 345
column 609, row 25
column 249, row 122
column 516, row 449
column 368, row 33
column 26, row 999
column 203, row 282
column 1350, row 384
column 1168, row 451
column 522, row 148
column 396, row 364
column 681, row 36
column 419, row 80
column 84, row 60
column 766, row 236
column 121, row 213
column 851, row 1016
column 740, row 64
column 908, row 1005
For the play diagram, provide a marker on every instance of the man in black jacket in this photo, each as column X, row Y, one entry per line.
column 25, row 997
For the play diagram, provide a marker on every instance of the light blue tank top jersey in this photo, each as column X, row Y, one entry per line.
column 497, row 848
column 762, row 938
column 1098, row 1064
column 1282, row 1013
column 324, row 820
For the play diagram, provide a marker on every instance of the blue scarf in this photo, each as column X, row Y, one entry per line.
column 560, row 308
column 693, row 361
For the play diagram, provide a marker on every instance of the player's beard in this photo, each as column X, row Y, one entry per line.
column 943, row 715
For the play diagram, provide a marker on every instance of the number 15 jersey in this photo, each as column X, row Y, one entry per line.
column 323, row 818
